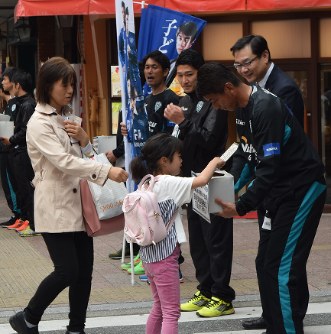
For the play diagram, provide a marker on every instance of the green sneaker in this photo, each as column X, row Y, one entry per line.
column 215, row 308
column 127, row 265
column 195, row 303
column 138, row 269
column 28, row 232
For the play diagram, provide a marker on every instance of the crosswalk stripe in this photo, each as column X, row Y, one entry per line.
column 308, row 330
column 140, row 319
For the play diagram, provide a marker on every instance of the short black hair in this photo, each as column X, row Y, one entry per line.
column 190, row 57
column 159, row 57
column 9, row 72
column 212, row 77
column 24, row 79
column 189, row 29
column 257, row 43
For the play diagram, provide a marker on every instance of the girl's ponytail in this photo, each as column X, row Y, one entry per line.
column 138, row 168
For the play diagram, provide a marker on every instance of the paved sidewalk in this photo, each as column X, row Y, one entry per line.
column 25, row 262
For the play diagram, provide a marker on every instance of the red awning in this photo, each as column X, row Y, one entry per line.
column 206, row 6
column 71, row 7
column 286, row 4
column 51, row 7
column 107, row 7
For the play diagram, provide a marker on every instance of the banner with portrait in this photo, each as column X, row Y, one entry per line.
column 133, row 111
column 169, row 31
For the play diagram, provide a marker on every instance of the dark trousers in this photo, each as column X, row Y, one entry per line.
column 282, row 257
column 7, row 184
column 23, row 173
column 72, row 256
column 211, row 247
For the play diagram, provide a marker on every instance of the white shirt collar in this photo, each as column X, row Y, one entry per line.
column 266, row 77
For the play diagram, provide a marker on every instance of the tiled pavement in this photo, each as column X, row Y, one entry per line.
column 25, row 261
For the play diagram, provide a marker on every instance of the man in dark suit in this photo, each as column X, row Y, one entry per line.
column 252, row 60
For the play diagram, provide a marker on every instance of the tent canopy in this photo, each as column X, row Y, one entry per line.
column 107, row 7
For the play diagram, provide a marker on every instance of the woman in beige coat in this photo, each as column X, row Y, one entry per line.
column 55, row 146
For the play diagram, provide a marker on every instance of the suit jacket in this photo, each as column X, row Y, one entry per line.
column 283, row 86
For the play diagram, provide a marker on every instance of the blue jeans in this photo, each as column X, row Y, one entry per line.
column 164, row 282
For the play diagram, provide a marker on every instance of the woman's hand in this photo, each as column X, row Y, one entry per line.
column 5, row 141
column 75, row 131
column 117, row 174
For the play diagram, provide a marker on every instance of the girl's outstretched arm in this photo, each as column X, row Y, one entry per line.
column 203, row 178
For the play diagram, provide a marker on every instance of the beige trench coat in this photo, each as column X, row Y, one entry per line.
column 58, row 168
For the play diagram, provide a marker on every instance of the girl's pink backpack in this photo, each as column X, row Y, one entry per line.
column 143, row 220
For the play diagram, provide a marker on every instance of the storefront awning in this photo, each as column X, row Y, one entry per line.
column 107, row 7
column 286, row 4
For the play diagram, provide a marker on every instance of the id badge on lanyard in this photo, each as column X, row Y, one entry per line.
column 266, row 222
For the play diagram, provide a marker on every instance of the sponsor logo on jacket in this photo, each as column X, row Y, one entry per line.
column 271, row 149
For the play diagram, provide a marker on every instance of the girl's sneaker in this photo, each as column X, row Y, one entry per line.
column 127, row 265
column 138, row 269
column 181, row 279
column 143, row 278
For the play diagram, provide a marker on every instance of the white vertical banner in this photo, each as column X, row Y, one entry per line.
column 133, row 112
column 77, row 102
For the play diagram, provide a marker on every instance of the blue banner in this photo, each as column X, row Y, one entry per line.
column 169, row 31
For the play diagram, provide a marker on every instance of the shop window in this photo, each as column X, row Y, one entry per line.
column 325, row 46
column 286, row 38
column 218, row 38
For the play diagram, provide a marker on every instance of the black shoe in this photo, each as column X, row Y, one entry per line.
column 118, row 255
column 17, row 321
column 257, row 323
column 11, row 221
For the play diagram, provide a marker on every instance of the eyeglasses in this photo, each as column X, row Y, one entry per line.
column 246, row 64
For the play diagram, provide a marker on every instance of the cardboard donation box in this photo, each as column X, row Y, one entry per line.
column 6, row 129
column 220, row 186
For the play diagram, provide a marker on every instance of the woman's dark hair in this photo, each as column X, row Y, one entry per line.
column 53, row 70
column 156, row 147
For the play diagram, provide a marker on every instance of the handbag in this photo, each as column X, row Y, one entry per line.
column 108, row 199
column 93, row 225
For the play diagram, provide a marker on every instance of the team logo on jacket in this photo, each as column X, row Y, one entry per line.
column 13, row 107
column 157, row 106
column 199, row 106
column 271, row 149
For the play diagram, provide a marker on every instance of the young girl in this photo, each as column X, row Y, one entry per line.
column 161, row 156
